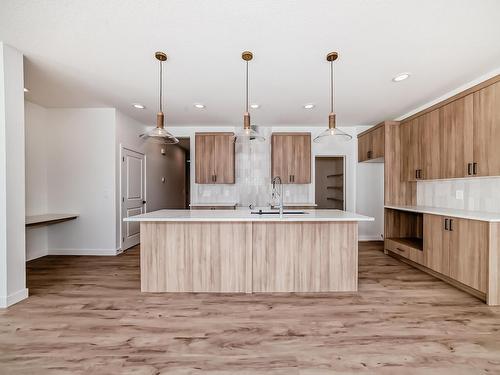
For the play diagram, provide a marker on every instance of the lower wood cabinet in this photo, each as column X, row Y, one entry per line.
column 457, row 248
column 462, row 252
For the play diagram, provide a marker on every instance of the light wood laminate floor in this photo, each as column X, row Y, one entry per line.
column 86, row 315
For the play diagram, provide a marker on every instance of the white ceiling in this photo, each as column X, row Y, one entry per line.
column 100, row 53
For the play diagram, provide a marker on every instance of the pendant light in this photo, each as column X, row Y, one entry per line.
column 332, row 132
column 159, row 134
column 247, row 133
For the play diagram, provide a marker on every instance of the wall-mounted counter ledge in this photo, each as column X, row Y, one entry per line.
column 47, row 219
column 240, row 252
column 491, row 217
column 246, row 216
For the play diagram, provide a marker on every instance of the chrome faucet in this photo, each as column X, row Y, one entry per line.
column 277, row 194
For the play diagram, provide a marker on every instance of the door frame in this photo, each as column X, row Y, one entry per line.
column 120, row 197
column 344, row 191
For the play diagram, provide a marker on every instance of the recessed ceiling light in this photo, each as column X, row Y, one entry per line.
column 309, row 106
column 199, row 105
column 138, row 106
column 26, row 90
column 255, row 106
column 401, row 77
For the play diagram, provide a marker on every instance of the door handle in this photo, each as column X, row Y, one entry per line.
column 293, row 178
column 416, row 174
column 469, row 169
column 474, row 168
column 446, row 227
column 143, row 202
column 215, row 178
column 451, row 225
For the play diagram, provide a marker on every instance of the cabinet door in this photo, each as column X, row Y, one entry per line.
column 364, row 143
column 428, row 139
column 224, row 159
column 377, row 142
column 456, row 138
column 301, row 159
column 410, row 145
column 487, row 130
column 281, row 148
column 204, row 159
column 436, row 244
column 469, row 252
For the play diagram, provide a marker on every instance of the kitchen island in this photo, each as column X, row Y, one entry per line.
column 240, row 251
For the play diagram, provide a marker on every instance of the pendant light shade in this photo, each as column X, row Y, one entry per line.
column 159, row 134
column 247, row 133
column 332, row 132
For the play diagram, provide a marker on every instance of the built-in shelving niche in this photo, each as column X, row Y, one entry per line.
column 404, row 228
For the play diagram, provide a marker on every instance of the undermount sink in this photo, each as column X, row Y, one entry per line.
column 274, row 212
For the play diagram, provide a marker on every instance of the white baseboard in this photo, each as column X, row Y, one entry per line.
column 31, row 255
column 96, row 252
column 370, row 238
column 6, row 301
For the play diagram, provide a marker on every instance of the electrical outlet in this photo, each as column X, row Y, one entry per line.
column 459, row 194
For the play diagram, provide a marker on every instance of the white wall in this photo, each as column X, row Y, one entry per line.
column 12, row 179
column 36, row 137
column 81, row 179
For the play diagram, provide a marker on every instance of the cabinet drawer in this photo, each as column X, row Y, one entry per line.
column 405, row 249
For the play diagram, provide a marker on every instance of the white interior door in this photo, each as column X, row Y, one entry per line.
column 133, row 195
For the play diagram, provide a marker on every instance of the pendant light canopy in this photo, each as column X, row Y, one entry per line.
column 332, row 131
column 247, row 133
column 159, row 133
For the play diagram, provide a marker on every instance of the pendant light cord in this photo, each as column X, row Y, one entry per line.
column 246, row 82
column 161, row 86
column 331, row 87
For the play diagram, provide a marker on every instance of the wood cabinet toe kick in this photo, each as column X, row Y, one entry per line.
column 246, row 257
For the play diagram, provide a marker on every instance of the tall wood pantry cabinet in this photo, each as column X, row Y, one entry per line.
column 214, row 158
column 291, row 157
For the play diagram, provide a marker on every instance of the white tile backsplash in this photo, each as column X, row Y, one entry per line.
column 479, row 194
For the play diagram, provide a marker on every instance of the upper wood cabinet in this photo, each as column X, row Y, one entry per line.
column 291, row 157
column 411, row 150
column 371, row 144
column 455, row 138
column 458, row 138
column 487, row 131
column 214, row 158
column 430, row 153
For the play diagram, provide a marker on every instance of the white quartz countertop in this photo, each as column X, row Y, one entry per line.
column 233, row 204
column 246, row 215
column 464, row 214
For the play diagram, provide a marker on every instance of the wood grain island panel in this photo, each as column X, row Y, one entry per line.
column 249, row 256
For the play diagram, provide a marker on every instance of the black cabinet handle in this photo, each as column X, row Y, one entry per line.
column 469, row 169
column 419, row 173
column 446, row 227
column 451, row 225
column 474, row 168
column 215, row 177
column 416, row 174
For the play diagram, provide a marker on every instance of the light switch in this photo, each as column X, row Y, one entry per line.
column 459, row 194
